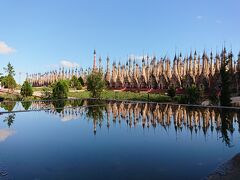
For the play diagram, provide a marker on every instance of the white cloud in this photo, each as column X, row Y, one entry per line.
column 199, row 17
column 68, row 64
column 5, row 49
column 139, row 57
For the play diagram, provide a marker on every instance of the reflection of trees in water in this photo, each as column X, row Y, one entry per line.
column 26, row 104
column 227, row 125
column 59, row 105
column 8, row 106
column 95, row 112
column 9, row 119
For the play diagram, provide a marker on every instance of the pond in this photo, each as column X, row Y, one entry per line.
column 85, row 139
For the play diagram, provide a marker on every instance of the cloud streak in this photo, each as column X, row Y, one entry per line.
column 5, row 49
column 68, row 64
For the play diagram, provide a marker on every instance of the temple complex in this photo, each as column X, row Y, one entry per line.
column 202, row 70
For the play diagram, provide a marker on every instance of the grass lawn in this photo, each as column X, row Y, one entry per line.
column 124, row 96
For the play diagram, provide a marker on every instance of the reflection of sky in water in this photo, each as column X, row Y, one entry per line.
column 46, row 147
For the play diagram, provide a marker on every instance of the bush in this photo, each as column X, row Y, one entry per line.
column 26, row 89
column 182, row 99
column 80, row 79
column 60, row 90
column 193, row 95
column 95, row 84
column 75, row 83
column 171, row 92
column 213, row 97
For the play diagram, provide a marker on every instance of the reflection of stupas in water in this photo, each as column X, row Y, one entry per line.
column 152, row 115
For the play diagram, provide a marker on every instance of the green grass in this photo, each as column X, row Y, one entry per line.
column 124, row 96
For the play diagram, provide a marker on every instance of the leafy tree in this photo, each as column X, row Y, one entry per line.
column 60, row 90
column 95, row 84
column 9, row 82
column 225, row 84
column 80, row 79
column 213, row 97
column 9, row 69
column 26, row 89
column 75, row 83
column 171, row 92
column 192, row 95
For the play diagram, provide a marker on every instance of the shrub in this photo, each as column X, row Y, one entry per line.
column 75, row 83
column 26, row 89
column 60, row 90
column 171, row 92
column 193, row 95
column 213, row 97
column 80, row 79
column 95, row 84
column 182, row 99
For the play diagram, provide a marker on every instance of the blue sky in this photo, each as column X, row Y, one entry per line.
column 35, row 36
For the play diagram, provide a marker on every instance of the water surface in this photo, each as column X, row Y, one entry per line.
column 115, row 140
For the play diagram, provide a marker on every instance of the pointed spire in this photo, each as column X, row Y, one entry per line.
column 175, row 57
column 94, row 61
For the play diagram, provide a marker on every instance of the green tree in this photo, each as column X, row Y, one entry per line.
column 26, row 89
column 225, row 84
column 171, row 92
column 60, row 90
column 213, row 97
column 80, row 79
column 192, row 95
column 95, row 84
column 9, row 82
column 9, row 69
column 75, row 83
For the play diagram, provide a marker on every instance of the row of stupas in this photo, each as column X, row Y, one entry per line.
column 202, row 70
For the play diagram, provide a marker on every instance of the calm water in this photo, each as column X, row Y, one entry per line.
column 115, row 140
